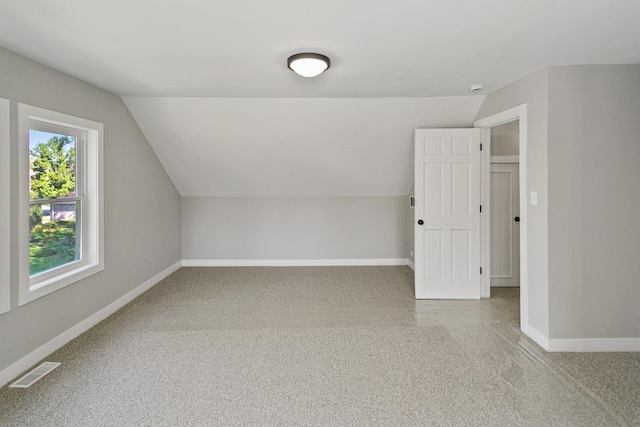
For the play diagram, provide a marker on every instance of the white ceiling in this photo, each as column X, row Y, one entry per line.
column 378, row 48
column 287, row 144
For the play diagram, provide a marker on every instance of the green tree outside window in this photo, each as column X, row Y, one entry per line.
column 52, row 175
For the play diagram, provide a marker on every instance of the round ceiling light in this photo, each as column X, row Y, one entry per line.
column 308, row 64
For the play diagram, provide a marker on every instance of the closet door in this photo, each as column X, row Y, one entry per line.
column 505, row 225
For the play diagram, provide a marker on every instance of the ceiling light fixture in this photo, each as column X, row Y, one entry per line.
column 476, row 88
column 308, row 64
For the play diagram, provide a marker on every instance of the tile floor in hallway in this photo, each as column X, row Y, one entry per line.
column 328, row 346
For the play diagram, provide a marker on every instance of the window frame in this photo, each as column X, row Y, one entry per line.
column 5, row 207
column 81, row 137
column 89, row 191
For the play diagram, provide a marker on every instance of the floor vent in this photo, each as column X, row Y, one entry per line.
column 35, row 375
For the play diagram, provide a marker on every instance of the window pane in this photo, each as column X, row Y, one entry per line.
column 53, row 240
column 52, row 165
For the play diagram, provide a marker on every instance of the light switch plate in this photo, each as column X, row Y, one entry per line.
column 534, row 197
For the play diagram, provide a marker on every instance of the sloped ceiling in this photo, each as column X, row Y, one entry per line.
column 293, row 146
column 207, row 80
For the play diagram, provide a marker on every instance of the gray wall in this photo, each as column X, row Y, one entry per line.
column 294, row 228
column 142, row 207
column 531, row 90
column 583, row 149
column 594, row 201
column 505, row 139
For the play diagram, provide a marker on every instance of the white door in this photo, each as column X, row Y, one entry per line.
column 505, row 225
column 447, row 213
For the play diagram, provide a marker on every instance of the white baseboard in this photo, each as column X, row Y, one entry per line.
column 583, row 345
column 291, row 262
column 40, row 353
column 536, row 336
column 594, row 345
column 411, row 265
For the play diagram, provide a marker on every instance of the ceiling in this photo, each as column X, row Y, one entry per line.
column 378, row 48
column 207, row 80
column 291, row 147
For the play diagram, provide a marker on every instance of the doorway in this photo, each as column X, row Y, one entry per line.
column 449, row 251
column 504, row 194
column 518, row 114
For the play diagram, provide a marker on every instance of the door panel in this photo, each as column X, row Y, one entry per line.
column 460, row 188
column 460, row 254
column 505, row 231
column 447, row 254
column 433, row 188
column 433, row 254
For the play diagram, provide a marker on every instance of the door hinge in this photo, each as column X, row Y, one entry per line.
column 480, row 270
column 480, row 146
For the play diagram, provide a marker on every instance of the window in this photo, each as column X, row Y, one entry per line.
column 61, row 237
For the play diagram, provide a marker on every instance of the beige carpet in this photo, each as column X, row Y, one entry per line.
column 319, row 346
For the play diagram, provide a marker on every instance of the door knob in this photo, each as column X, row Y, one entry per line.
column 517, row 219
column 420, row 222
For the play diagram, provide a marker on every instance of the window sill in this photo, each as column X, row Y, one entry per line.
column 59, row 281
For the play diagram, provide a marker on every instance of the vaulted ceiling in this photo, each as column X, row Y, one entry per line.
column 293, row 146
column 208, row 84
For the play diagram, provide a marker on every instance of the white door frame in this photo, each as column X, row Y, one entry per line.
column 515, row 113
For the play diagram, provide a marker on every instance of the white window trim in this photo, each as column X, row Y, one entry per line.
column 92, row 213
column 5, row 210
